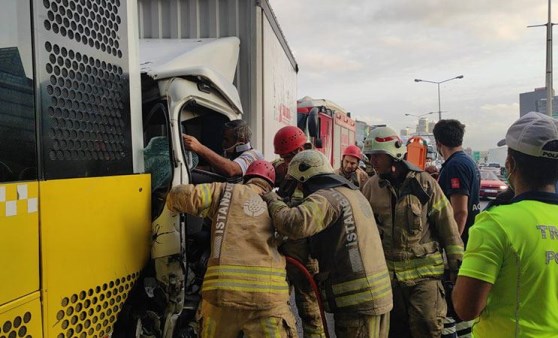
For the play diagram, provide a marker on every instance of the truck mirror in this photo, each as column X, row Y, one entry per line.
column 318, row 143
column 313, row 123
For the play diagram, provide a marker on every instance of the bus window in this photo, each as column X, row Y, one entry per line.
column 18, row 154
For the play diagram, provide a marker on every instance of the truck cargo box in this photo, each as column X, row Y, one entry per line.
column 266, row 72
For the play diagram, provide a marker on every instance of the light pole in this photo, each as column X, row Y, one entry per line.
column 438, row 83
column 549, row 85
column 421, row 115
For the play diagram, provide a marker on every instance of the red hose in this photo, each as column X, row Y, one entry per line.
column 298, row 264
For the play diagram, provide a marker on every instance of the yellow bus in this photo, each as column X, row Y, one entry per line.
column 75, row 219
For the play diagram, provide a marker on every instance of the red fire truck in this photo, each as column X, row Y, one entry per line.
column 328, row 125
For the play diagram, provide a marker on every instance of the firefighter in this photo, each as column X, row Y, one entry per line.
column 416, row 223
column 288, row 142
column 245, row 288
column 353, row 277
column 350, row 166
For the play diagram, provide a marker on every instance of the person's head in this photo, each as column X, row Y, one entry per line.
column 351, row 159
column 288, row 142
column 261, row 169
column 532, row 151
column 384, row 148
column 448, row 134
column 432, row 170
column 237, row 133
column 308, row 164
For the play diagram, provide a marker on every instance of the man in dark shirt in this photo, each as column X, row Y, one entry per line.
column 459, row 176
column 460, row 181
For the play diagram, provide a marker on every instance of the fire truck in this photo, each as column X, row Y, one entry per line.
column 329, row 127
column 94, row 102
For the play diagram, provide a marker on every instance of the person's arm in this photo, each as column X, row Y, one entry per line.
column 457, row 181
column 193, row 199
column 222, row 165
column 312, row 216
column 469, row 297
column 441, row 218
column 459, row 204
column 487, row 251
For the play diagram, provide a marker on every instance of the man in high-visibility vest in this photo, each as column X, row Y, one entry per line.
column 508, row 281
column 416, row 223
column 245, row 288
column 353, row 277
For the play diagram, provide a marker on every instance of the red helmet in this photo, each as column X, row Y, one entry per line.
column 262, row 169
column 353, row 151
column 288, row 139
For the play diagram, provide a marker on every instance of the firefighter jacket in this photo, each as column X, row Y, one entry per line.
column 353, row 274
column 416, row 222
column 245, row 269
column 357, row 177
column 287, row 186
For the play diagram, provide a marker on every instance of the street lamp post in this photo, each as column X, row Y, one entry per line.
column 438, row 83
column 421, row 115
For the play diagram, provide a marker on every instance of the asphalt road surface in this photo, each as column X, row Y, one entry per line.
column 329, row 316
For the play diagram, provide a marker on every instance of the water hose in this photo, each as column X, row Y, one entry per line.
column 300, row 267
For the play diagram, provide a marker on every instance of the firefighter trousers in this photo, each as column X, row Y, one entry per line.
column 357, row 325
column 230, row 322
column 305, row 299
column 418, row 310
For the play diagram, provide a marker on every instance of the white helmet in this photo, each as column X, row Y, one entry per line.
column 307, row 164
column 384, row 140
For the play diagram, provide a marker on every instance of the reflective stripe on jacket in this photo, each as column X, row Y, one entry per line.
column 416, row 222
column 345, row 240
column 245, row 269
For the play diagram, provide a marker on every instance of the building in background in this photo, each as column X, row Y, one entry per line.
column 361, row 132
column 422, row 126
column 431, row 125
column 535, row 101
column 404, row 132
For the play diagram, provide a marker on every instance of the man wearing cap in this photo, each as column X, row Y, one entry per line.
column 509, row 276
column 416, row 223
column 350, row 166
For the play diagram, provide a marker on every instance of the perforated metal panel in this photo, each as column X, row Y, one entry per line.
column 82, row 63
column 21, row 318
column 91, row 313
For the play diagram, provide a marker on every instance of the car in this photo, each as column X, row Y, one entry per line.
column 491, row 185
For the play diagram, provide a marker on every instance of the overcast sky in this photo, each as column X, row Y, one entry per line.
column 364, row 56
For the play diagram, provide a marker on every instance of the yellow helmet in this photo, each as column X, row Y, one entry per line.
column 384, row 140
column 307, row 164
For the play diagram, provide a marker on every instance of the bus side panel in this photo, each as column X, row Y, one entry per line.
column 22, row 317
column 19, row 240
column 95, row 240
column 81, row 61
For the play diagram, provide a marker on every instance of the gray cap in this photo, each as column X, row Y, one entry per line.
column 531, row 133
